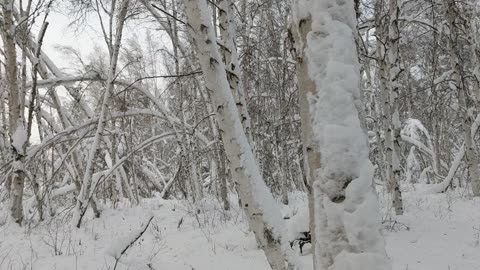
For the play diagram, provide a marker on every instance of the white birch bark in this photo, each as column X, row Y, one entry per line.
column 386, row 114
column 395, row 71
column 264, row 218
column 388, row 87
column 17, row 131
column 311, row 150
column 347, row 222
column 230, row 56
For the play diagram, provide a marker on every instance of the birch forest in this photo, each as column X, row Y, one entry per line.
column 239, row 134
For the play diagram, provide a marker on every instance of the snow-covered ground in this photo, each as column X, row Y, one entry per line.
column 443, row 232
column 438, row 232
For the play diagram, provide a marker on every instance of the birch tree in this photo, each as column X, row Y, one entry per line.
column 392, row 106
column 17, row 128
column 346, row 209
column 311, row 150
column 263, row 217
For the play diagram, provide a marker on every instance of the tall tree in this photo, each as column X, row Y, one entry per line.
column 346, row 210
column 395, row 70
column 17, row 128
column 260, row 207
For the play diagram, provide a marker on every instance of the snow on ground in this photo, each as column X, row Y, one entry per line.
column 438, row 232
column 444, row 232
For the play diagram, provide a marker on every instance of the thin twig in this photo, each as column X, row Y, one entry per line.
column 132, row 242
column 168, row 14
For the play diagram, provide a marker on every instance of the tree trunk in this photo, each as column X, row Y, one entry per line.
column 463, row 100
column 395, row 70
column 263, row 216
column 306, row 86
column 230, row 57
column 347, row 222
column 17, row 131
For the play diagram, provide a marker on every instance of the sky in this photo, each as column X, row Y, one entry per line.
column 88, row 37
column 60, row 34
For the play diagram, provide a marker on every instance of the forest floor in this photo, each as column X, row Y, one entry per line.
column 437, row 232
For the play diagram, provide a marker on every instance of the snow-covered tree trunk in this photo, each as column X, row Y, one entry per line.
column 263, row 215
column 306, row 86
column 384, row 106
column 458, row 85
column 388, row 71
column 347, row 222
column 86, row 192
column 230, row 56
column 228, row 49
column 17, row 129
column 395, row 70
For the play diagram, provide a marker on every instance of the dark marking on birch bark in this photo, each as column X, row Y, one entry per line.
column 204, row 28
column 213, row 62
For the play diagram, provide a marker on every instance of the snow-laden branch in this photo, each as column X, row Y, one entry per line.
column 442, row 187
column 164, row 112
column 138, row 148
column 422, row 147
column 54, row 138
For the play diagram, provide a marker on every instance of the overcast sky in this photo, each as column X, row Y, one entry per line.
column 58, row 33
